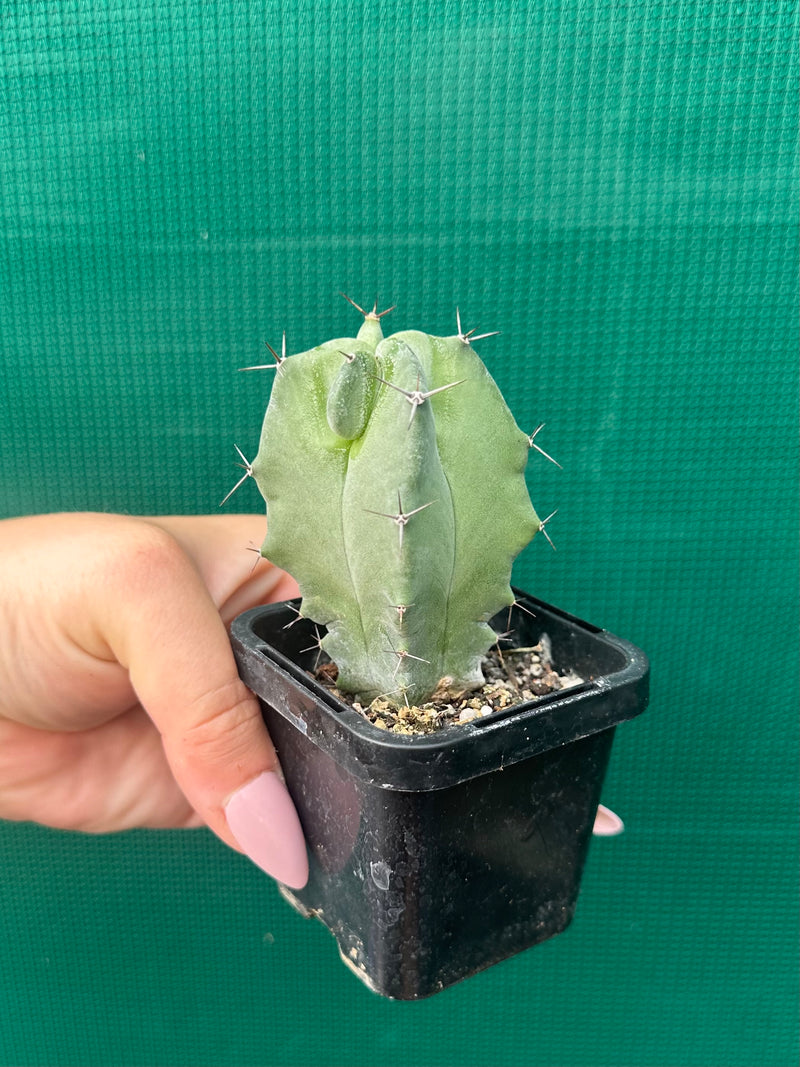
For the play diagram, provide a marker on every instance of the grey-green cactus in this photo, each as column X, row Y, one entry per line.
column 394, row 478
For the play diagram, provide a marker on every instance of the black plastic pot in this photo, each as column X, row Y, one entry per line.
column 433, row 857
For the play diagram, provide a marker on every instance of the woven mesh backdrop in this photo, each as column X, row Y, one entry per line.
column 613, row 186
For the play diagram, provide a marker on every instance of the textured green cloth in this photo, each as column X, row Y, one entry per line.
column 614, row 186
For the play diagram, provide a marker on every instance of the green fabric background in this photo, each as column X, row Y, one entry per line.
column 614, row 186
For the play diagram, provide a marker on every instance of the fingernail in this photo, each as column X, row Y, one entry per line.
column 607, row 823
column 264, row 821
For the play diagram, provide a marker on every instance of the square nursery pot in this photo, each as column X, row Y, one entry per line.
column 434, row 856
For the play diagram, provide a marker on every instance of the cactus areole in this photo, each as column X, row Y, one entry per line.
column 394, row 476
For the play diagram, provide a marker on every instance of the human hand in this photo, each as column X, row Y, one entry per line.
column 120, row 703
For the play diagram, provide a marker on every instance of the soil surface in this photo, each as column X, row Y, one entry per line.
column 513, row 676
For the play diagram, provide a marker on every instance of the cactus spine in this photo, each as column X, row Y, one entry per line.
column 394, row 478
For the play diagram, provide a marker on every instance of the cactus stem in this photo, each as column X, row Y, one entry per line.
column 542, row 524
column 541, row 451
column 279, row 360
column 416, row 397
column 467, row 337
column 401, row 518
column 374, row 314
column 248, row 473
column 337, row 446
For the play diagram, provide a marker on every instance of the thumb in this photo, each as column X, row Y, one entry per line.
column 171, row 639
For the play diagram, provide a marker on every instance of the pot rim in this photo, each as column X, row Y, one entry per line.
column 617, row 692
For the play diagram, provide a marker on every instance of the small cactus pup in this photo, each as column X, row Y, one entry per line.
column 394, row 476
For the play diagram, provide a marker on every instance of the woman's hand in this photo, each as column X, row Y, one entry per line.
column 120, row 703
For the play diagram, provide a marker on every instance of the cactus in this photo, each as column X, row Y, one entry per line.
column 393, row 473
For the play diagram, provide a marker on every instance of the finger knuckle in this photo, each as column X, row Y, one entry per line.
column 223, row 723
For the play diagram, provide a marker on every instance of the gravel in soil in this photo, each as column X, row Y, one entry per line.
column 512, row 676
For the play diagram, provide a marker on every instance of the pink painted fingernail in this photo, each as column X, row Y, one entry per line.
column 607, row 823
column 264, row 822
